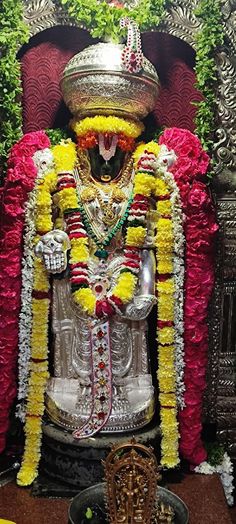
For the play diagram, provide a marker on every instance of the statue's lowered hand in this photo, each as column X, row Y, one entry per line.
column 52, row 248
column 140, row 307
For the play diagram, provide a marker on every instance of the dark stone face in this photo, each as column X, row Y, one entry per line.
column 106, row 171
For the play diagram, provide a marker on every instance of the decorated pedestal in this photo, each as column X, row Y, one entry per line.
column 68, row 465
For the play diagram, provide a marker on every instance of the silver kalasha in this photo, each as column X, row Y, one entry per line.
column 95, row 82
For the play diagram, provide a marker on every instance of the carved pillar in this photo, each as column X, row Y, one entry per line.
column 221, row 394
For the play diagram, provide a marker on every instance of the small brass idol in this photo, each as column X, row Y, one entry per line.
column 132, row 476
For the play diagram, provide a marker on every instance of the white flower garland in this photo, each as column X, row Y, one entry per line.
column 169, row 157
column 225, row 470
column 43, row 161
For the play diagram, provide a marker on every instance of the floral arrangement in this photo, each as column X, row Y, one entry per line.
column 153, row 159
column 200, row 229
column 70, row 206
column 19, row 182
column 145, row 184
column 89, row 129
column 107, row 124
column 171, row 172
column 43, row 160
column 38, row 364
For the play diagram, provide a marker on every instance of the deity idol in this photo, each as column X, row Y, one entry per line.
column 103, row 232
column 102, row 378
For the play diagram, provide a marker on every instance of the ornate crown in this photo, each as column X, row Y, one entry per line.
column 109, row 78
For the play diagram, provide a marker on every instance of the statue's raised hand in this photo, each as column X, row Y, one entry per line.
column 52, row 248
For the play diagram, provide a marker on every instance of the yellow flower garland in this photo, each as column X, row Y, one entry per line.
column 135, row 236
column 150, row 147
column 125, row 287
column 39, row 342
column 144, row 184
column 107, row 124
column 165, row 335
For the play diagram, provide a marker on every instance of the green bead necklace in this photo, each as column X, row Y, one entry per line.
column 102, row 252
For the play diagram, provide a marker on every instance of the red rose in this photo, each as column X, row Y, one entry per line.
column 11, row 269
column 196, row 333
column 203, row 163
column 192, row 161
column 24, row 172
column 197, row 379
column 198, row 197
column 12, row 239
column 28, row 145
column 104, row 309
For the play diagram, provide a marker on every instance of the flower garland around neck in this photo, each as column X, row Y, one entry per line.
column 145, row 185
column 69, row 205
column 38, row 366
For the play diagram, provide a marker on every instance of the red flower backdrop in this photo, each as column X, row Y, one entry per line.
column 19, row 182
column 200, row 229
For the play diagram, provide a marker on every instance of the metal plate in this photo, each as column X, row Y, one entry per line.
column 95, row 495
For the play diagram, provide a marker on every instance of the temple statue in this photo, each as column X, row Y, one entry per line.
column 102, row 378
column 105, row 224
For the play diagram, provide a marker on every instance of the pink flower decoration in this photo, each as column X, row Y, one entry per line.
column 19, row 182
column 200, row 230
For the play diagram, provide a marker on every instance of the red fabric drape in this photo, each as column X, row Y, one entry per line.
column 45, row 57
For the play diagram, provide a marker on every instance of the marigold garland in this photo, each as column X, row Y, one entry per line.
column 165, row 337
column 107, row 124
column 69, row 205
column 146, row 157
column 165, row 332
column 39, row 340
column 200, row 229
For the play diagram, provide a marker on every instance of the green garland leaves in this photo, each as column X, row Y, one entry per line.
column 215, row 453
column 13, row 34
column 103, row 20
column 208, row 40
column 56, row 135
